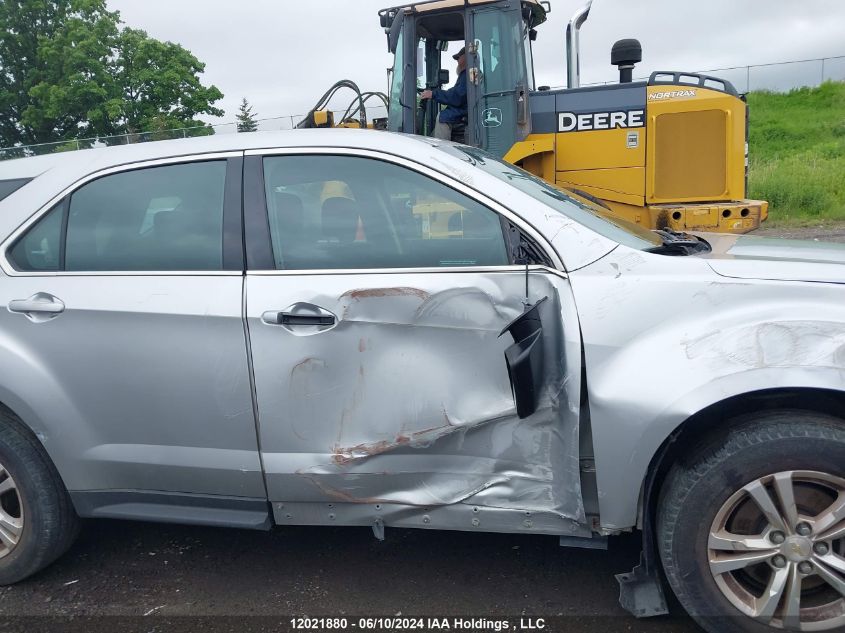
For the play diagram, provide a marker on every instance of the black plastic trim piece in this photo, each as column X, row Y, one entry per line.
column 8, row 187
column 285, row 318
column 233, row 244
column 173, row 507
column 525, row 359
column 641, row 590
column 257, row 241
column 63, row 235
column 516, row 239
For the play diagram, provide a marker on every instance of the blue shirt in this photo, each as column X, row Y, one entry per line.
column 455, row 100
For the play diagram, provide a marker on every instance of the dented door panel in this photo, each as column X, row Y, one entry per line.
column 406, row 404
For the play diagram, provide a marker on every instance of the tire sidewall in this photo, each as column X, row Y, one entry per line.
column 727, row 474
column 34, row 497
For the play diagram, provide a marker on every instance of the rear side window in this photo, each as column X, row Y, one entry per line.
column 336, row 212
column 167, row 218
column 39, row 249
column 8, row 187
column 154, row 219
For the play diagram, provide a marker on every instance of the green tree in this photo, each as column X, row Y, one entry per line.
column 246, row 119
column 53, row 58
column 154, row 84
column 68, row 70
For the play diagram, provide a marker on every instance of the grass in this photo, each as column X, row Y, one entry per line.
column 797, row 154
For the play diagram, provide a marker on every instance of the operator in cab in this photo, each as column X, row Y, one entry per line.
column 455, row 100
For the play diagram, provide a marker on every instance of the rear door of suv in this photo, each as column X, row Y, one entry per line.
column 125, row 345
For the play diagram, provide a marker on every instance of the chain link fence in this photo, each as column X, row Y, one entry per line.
column 777, row 77
column 268, row 124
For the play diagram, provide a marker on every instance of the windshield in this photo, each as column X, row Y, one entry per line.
column 583, row 211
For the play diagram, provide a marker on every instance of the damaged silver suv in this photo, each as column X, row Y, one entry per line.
column 338, row 327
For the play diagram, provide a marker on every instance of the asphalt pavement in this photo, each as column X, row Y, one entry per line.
column 137, row 576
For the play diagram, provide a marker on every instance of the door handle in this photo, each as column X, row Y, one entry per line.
column 301, row 319
column 40, row 303
column 288, row 318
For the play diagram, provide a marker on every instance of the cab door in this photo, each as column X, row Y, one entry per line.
column 377, row 296
column 498, row 74
column 402, row 42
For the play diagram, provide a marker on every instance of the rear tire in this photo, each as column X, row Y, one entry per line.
column 771, row 491
column 37, row 520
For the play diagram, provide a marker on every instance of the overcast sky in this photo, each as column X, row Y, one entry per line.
column 282, row 55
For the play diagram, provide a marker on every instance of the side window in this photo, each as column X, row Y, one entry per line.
column 334, row 212
column 38, row 250
column 167, row 218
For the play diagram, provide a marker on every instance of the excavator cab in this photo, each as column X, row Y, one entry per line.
column 497, row 35
column 669, row 152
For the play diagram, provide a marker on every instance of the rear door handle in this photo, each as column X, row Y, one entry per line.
column 41, row 303
column 39, row 307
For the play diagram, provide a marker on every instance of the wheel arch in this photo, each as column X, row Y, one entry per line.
column 9, row 416
column 701, row 424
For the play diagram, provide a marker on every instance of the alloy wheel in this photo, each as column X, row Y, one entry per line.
column 777, row 550
column 11, row 513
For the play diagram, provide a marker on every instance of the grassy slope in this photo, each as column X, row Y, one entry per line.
column 797, row 147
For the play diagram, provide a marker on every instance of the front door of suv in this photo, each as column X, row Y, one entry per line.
column 125, row 307
column 376, row 295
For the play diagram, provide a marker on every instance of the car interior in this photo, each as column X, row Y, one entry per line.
column 370, row 214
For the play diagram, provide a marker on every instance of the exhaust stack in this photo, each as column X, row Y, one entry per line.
column 573, row 46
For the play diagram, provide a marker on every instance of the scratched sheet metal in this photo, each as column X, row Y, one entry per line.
column 407, row 401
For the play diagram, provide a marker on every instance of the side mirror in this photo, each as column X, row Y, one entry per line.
column 443, row 78
column 525, row 359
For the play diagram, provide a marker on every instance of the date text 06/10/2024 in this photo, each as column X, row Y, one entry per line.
column 399, row 623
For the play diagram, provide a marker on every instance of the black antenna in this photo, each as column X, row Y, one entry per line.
column 522, row 256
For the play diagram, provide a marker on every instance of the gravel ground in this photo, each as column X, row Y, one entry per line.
column 135, row 576
column 149, row 574
column 828, row 232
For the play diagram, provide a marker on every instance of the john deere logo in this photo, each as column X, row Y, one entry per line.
column 571, row 122
column 491, row 117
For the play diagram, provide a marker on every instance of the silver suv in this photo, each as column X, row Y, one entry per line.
column 341, row 327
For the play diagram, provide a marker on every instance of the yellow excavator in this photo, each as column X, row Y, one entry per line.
column 670, row 152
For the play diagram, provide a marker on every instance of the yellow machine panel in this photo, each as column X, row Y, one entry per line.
column 695, row 146
column 599, row 149
column 690, row 155
column 620, row 185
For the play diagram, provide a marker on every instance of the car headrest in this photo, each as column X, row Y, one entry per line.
column 340, row 219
